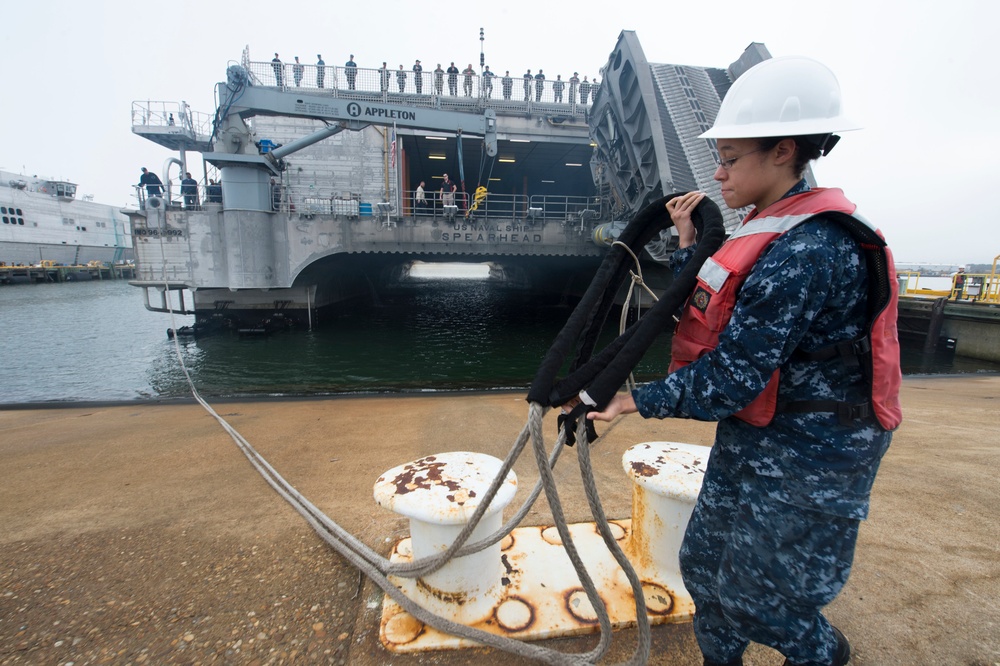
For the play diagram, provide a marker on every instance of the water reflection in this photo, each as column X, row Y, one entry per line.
column 95, row 341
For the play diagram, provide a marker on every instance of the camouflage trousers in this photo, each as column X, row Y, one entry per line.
column 760, row 569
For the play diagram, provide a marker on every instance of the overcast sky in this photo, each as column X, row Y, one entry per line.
column 921, row 77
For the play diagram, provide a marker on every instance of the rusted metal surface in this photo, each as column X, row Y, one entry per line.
column 670, row 469
column 442, row 489
column 541, row 596
column 439, row 494
column 667, row 478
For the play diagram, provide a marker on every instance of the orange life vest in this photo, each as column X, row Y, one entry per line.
column 710, row 307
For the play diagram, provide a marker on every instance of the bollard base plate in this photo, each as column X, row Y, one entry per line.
column 541, row 596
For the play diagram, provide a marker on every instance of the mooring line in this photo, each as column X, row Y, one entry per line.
column 378, row 568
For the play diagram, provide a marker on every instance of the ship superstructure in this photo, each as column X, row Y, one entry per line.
column 333, row 181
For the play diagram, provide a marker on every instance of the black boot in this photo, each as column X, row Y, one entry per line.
column 841, row 655
column 843, row 652
column 732, row 662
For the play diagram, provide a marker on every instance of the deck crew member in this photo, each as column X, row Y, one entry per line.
column 351, row 68
column 213, row 192
column 189, row 190
column 488, row 77
column 802, row 427
column 278, row 68
column 452, row 79
column 418, row 77
column 152, row 183
column 438, row 80
column 467, row 75
column 585, row 91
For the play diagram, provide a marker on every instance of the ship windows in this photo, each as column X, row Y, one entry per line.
column 12, row 216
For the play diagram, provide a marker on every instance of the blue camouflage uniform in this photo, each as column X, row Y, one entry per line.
column 771, row 538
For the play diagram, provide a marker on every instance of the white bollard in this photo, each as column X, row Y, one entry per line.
column 439, row 494
column 667, row 478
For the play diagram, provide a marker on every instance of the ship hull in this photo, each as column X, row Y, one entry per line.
column 42, row 221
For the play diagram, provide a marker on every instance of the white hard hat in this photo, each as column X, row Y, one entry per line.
column 787, row 96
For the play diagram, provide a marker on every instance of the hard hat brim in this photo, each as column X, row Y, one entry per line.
column 780, row 129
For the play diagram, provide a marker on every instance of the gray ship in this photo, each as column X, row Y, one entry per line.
column 328, row 184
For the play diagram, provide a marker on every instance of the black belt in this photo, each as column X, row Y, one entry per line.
column 846, row 412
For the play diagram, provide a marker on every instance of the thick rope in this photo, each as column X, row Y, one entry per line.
column 378, row 568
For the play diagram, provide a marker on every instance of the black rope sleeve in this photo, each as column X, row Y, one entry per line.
column 605, row 373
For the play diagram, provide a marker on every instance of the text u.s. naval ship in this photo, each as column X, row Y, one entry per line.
column 326, row 183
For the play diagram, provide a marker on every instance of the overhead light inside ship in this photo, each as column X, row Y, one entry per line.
column 436, row 157
column 573, row 164
column 548, row 181
column 520, row 140
column 496, row 180
column 507, row 160
column 437, row 138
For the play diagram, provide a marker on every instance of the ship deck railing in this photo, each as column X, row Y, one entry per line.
column 422, row 89
column 976, row 287
column 151, row 113
column 568, row 209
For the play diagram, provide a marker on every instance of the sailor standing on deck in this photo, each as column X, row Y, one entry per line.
column 189, row 190
column 151, row 182
column 278, row 68
column 418, row 77
column 420, row 199
column 777, row 344
column 452, row 79
column 585, row 91
column 351, row 69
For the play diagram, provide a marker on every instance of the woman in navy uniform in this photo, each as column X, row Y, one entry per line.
column 801, row 429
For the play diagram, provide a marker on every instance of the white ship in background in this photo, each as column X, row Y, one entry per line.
column 41, row 220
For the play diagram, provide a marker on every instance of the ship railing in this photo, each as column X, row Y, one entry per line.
column 971, row 288
column 309, row 200
column 466, row 206
column 150, row 113
column 977, row 288
column 570, row 210
column 426, row 88
column 171, row 196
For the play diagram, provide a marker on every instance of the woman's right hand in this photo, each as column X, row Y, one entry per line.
column 680, row 209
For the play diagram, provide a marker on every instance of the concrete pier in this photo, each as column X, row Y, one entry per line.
column 140, row 534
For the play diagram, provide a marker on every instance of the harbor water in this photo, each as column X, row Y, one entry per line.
column 95, row 341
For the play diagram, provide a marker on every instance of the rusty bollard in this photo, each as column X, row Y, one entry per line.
column 667, row 478
column 439, row 494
